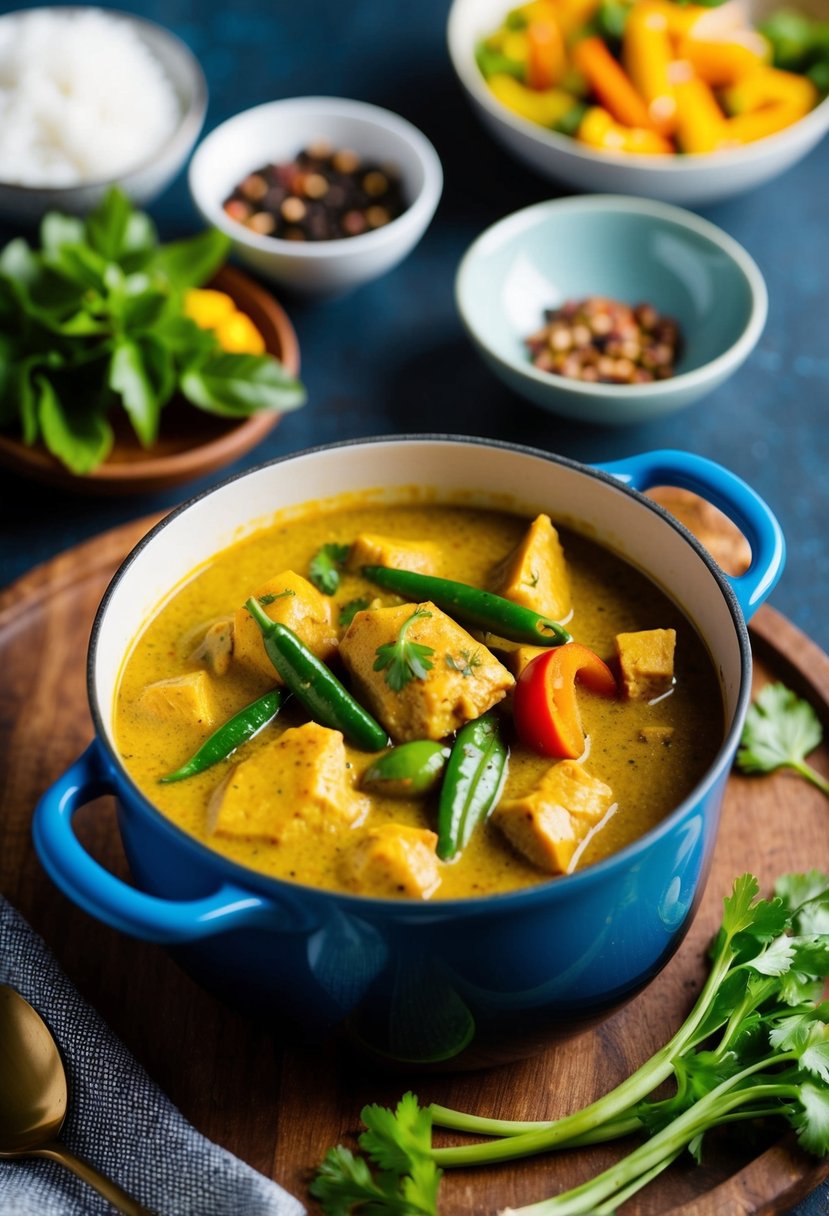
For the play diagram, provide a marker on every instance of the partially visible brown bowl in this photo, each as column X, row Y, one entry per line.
column 191, row 443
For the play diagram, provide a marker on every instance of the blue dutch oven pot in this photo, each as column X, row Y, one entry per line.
column 466, row 981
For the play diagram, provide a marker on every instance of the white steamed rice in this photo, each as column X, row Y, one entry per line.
column 81, row 98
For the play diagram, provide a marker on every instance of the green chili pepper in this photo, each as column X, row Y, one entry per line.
column 236, row 731
column 474, row 779
column 315, row 686
column 472, row 606
column 410, row 769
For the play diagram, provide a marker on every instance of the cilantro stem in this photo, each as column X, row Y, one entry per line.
column 810, row 774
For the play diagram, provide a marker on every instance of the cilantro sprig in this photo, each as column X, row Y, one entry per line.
column 325, row 567
column 780, row 732
column 404, row 1179
column 404, row 660
column 93, row 320
column 754, row 1046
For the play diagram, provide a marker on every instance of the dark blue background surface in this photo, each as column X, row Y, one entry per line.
column 393, row 357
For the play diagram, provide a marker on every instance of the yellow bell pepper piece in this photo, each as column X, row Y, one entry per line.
column 208, row 308
column 515, row 45
column 237, row 335
column 746, row 128
column 598, row 130
column 573, row 15
column 699, row 119
column 647, row 57
column 767, row 86
column 722, row 62
column 546, row 107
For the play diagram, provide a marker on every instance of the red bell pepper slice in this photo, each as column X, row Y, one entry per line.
column 545, row 707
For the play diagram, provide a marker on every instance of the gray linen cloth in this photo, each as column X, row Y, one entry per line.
column 118, row 1119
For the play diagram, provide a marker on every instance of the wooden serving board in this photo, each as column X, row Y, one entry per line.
column 280, row 1106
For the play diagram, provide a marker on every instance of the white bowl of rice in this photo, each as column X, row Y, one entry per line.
column 91, row 98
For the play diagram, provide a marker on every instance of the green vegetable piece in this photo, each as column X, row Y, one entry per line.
column 496, row 63
column 408, row 770
column 403, row 660
column 781, row 730
column 516, row 20
column 350, row 610
column 570, row 122
column 314, row 685
column 475, row 776
column 472, row 606
column 325, row 567
column 231, row 735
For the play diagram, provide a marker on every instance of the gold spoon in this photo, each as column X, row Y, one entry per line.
column 33, row 1097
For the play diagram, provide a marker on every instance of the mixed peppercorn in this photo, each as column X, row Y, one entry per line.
column 605, row 342
column 322, row 195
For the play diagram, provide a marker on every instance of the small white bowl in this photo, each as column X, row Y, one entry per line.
column 27, row 204
column 673, row 179
column 275, row 132
column 627, row 249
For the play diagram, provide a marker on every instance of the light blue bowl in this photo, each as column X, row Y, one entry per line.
column 630, row 250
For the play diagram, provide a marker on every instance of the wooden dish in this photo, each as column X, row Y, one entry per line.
column 191, row 443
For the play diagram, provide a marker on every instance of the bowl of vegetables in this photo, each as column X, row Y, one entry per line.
column 602, row 308
column 433, row 900
column 682, row 103
column 130, row 364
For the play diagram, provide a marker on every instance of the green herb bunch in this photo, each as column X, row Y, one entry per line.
column 94, row 318
column 754, row 1046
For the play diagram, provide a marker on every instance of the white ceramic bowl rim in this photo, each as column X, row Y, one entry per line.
column 469, row 73
column 190, row 118
column 422, row 205
column 552, row 891
column 627, row 205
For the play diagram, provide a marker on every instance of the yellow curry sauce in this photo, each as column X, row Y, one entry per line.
column 609, row 597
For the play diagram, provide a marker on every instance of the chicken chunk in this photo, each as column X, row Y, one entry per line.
column 181, row 700
column 215, row 650
column 291, row 599
column 549, row 823
column 392, row 860
column 535, row 573
column 370, row 549
column 463, row 682
column 295, row 787
column 646, row 662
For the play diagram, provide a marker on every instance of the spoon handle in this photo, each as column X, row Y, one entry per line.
column 110, row 1190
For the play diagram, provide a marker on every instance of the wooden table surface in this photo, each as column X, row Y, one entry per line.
column 280, row 1106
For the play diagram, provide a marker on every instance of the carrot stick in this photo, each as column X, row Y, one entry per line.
column 610, row 83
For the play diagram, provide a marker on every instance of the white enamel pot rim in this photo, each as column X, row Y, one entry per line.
column 563, row 888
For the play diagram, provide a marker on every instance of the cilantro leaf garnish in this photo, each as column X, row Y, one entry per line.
column 350, row 610
column 325, row 567
column 781, row 730
column 403, row 660
column 405, row 1179
column 465, row 663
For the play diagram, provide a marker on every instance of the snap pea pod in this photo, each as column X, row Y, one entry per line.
column 314, row 685
column 475, row 775
column 408, row 770
column 472, row 606
column 232, row 734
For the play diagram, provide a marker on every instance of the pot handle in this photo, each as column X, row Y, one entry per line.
column 732, row 495
column 106, row 897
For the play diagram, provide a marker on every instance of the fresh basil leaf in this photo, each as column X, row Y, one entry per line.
column 19, row 263
column 78, row 434
column 108, row 224
column 57, row 230
column 185, row 340
column 235, row 386
column 141, row 373
column 8, row 403
column 140, row 241
column 80, row 264
column 192, row 262
column 139, row 312
column 24, row 390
